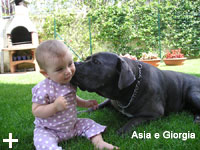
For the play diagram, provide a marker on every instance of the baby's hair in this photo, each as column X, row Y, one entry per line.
column 49, row 49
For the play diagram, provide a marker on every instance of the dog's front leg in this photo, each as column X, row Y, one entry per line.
column 105, row 103
column 135, row 121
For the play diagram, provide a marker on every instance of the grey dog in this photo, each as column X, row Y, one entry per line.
column 136, row 89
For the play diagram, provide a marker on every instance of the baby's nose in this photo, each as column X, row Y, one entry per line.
column 68, row 71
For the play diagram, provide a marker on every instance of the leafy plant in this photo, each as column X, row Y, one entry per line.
column 134, row 27
column 149, row 56
column 129, row 56
column 176, row 53
column 129, row 28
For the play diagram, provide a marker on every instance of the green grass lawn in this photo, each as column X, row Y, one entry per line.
column 16, row 117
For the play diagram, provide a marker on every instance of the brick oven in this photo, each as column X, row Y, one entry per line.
column 21, row 39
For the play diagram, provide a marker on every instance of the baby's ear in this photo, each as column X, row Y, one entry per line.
column 44, row 73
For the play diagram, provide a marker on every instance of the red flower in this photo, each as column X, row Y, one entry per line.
column 176, row 53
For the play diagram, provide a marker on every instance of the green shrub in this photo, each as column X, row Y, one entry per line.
column 134, row 26
column 130, row 28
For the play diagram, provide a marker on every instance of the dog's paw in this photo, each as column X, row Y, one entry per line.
column 121, row 132
column 197, row 119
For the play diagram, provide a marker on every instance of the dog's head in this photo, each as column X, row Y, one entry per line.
column 102, row 73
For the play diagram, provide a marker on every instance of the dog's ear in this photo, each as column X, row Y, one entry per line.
column 126, row 75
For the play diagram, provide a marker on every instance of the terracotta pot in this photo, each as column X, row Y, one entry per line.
column 154, row 62
column 174, row 61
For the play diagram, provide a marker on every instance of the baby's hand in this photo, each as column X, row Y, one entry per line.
column 60, row 103
column 92, row 103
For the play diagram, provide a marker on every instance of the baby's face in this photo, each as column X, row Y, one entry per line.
column 61, row 69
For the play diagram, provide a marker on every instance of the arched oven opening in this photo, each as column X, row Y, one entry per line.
column 20, row 35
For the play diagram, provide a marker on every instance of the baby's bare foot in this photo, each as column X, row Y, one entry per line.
column 101, row 145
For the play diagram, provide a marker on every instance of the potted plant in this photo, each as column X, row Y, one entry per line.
column 150, row 58
column 129, row 56
column 175, row 57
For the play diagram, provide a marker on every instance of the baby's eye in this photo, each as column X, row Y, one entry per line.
column 88, row 58
column 59, row 69
column 70, row 64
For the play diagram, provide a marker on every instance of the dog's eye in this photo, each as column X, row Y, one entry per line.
column 95, row 61
column 88, row 58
